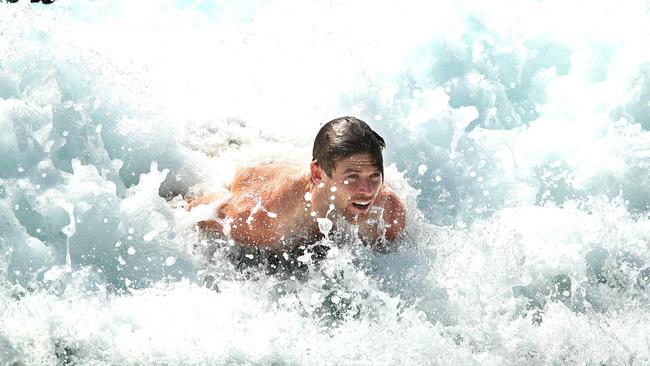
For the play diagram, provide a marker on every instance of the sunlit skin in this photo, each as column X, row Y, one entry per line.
column 272, row 204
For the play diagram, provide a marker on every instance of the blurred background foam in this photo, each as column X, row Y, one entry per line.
column 517, row 135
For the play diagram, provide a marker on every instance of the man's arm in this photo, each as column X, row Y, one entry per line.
column 260, row 215
column 246, row 226
column 256, row 228
column 394, row 215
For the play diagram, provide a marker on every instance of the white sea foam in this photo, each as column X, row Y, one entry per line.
column 517, row 138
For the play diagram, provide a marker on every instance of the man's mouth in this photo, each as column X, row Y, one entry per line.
column 361, row 205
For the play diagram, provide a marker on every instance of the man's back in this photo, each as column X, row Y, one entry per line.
column 266, row 206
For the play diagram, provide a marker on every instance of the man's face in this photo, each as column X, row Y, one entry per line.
column 354, row 185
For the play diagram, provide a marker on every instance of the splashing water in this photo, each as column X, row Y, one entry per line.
column 517, row 137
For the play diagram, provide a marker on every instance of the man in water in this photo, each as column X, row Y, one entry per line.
column 276, row 204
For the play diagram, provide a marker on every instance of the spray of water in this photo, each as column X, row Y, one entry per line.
column 517, row 138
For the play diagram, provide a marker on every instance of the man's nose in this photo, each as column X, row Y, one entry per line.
column 365, row 187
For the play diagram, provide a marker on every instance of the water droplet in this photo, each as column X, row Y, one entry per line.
column 150, row 235
column 333, row 189
column 170, row 261
column 307, row 196
column 21, row 169
column 422, row 169
column 131, row 251
column 324, row 225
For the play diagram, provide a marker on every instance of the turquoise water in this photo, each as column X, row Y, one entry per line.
column 517, row 136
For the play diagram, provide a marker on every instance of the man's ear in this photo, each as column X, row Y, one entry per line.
column 316, row 172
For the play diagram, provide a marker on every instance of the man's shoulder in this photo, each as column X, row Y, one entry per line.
column 388, row 196
column 266, row 174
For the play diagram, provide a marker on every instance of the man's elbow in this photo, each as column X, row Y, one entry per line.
column 200, row 200
column 396, row 228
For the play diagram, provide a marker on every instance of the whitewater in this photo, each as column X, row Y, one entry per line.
column 517, row 137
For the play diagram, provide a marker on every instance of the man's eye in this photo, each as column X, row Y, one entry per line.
column 375, row 175
column 352, row 177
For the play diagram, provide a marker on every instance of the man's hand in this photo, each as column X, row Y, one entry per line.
column 201, row 200
column 212, row 226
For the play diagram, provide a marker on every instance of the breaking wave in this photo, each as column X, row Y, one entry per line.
column 517, row 136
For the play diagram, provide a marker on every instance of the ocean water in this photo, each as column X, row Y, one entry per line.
column 517, row 136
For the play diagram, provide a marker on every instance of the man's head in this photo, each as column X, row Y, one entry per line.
column 344, row 137
column 348, row 165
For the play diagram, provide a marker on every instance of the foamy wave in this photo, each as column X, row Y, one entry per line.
column 517, row 138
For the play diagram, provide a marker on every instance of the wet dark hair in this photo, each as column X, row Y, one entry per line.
column 343, row 137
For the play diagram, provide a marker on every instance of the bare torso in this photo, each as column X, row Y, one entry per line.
column 275, row 203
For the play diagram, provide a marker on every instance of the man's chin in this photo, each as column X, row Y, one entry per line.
column 353, row 213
